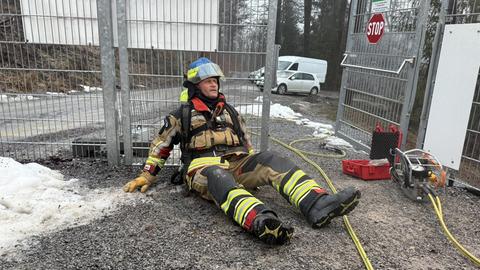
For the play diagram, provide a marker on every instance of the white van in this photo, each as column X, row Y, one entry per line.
column 297, row 63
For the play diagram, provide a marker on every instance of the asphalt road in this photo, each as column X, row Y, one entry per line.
column 48, row 114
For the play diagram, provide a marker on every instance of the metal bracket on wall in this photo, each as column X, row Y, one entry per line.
column 397, row 72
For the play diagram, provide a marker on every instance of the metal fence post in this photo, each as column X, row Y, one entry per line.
column 413, row 77
column 124, row 82
column 105, row 31
column 341, row 98
column 270, row 72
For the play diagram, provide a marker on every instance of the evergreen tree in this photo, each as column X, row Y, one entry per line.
column 289, row 35
column 328, row 38
column 306, row 26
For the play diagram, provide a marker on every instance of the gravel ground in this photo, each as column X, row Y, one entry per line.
column 170, row 228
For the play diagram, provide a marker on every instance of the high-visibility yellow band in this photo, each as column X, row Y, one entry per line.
column 241, row 208
column 232, row 195
column 289, row 186
column 192, row 72
column 152, row 160
column 301, row 190
column 184, row 95
column 240, row 205
column 207, row 161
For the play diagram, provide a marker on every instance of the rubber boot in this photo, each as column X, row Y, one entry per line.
column 246, row 210
column 321, row 211
column 269, row 229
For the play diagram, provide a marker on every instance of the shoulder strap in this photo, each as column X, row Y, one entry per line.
column 236, row 124
column 186, row 109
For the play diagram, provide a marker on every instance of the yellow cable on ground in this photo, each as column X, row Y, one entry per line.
column 350, row 230
column 437, row 206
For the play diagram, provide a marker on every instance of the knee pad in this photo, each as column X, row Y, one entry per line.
column 270, row 159
column 220, row 182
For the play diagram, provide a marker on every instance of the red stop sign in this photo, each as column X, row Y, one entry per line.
column 375, row 28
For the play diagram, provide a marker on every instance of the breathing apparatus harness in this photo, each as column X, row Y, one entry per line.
column 215, row 120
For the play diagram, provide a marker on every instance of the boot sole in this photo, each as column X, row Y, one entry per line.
column 275, row 233
column 337, row 210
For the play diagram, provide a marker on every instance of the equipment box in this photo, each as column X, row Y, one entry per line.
column 362, row 169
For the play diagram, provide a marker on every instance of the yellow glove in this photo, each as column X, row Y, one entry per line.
column 143, row 181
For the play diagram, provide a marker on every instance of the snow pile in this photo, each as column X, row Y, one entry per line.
column 89, row 89
column 17, row 98
column 36, row 199
column 279, row 111
column 276, row 110
column 320, row 128
column 55, row 94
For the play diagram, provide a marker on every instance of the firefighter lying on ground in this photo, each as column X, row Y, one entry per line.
column 220, row 163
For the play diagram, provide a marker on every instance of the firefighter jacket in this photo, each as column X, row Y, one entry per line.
column 212, row 133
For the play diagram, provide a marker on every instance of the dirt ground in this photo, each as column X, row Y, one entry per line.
column 169, row 228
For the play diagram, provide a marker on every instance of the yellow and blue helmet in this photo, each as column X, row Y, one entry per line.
column 202, row 69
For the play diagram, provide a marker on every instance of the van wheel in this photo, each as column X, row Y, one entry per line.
column 314, row 91
column 282, row 89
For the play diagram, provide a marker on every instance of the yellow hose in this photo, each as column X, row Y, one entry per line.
column 356, row 241
column 437, row 206
column 435, row 202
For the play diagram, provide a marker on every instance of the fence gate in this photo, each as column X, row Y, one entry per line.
column 379, row 80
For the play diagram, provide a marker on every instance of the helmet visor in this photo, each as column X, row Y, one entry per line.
column 202, row 72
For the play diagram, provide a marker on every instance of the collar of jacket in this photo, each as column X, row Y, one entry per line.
column 200, row 106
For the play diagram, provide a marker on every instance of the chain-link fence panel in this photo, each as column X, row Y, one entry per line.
column 50, row 79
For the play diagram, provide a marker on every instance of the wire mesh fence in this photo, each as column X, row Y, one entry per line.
column 49, row 77
column 52, row 101
column 231, row 33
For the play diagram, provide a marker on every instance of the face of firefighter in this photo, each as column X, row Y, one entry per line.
column 209, row 87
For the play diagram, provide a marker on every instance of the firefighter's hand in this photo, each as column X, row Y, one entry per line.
column 143, row 181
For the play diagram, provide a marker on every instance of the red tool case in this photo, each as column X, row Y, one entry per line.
column 383, row 144
column 360, row 168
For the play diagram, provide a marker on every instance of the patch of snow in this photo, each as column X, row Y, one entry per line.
column 18, row 98
column 35, row 199
column 279, row 111
column 89, row 89
column 55, row 94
